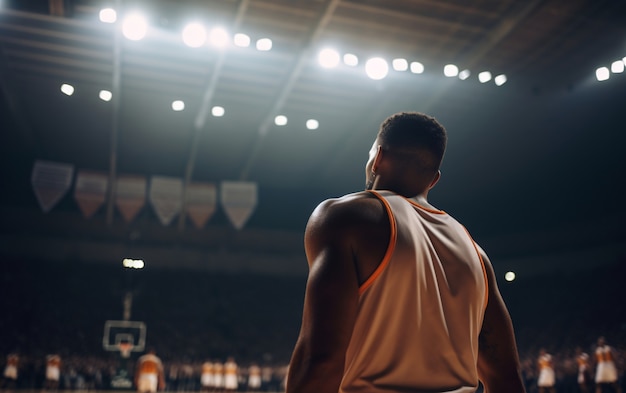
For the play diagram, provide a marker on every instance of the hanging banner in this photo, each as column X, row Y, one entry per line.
column 50, row 181
column 200, row 203
column 238, row 200
column 130, row 195
column 166, row 197
column 90, row 191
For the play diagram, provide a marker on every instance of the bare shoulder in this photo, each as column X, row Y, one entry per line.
column 352, row 210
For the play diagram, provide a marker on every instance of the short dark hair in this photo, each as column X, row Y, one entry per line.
column 412, row 131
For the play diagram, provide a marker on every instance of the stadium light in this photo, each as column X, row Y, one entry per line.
column 417, row 67
column 178, row 105
column 463, row 75
column 376, row 68
column 280, row 120
column 108, row 15
column 350, row 59
column 509, row 276
column 312, row 124
column 133, row 263
column 194, row 35
column 400, row 64
column 602, row 74
column 68, row 90
column 500, row 80
column 450, row 70
column 105, row 95
column 328, row 58
column 241, row 40
column 264, row 44
column 617, row 67
column 484, row 77
column 217, row 111
column 218, row 37
column 135, row 27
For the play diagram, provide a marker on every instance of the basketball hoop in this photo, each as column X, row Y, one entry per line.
column 125, row 348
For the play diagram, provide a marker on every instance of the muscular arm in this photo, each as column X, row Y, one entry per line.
column 498, row 359
column 330, row 303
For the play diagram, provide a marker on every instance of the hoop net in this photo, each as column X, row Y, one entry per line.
column 125, row 348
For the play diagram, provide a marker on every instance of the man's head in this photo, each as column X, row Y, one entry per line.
column 407, row 154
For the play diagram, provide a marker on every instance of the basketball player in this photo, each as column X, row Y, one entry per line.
column 218, row 375
column 53, row 372
column 206, row 377
column 606, row 372
column 254, row 378
column 546, row 379
column 149, row 375
column 582, row 360
column 230, row 375
column 11, row 371
column 399, row 295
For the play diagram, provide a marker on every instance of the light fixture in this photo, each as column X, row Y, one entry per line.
column 500, row 80
column 264, row 44
column 135, row 27
column 376, row 68
column 484, row 77
column 509, row 276
column 241, row 40
column 312, row 124
column 400, row 64
column 217, row 111
column 108, row 15
column 350, row 59
column 417, row 67
column 280, row 120
column 328, row 58
column 178, row 105
column 450, row 70
column 218, row 37
column 617, row 67
column 105, row 95
column 194, row 35
column 602, row 74
column 68, row 90
column 463, row 75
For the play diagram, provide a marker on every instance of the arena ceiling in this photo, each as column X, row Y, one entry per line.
column 503, row 140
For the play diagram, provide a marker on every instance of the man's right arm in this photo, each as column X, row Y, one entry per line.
column 498, row 359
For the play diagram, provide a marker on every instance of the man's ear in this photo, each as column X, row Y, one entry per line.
column 435, row 180
column 377, row 158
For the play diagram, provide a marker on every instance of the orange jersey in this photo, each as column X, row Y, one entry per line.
column 12, row 360
column 545, row 361
column 604, row 354
column 207, row 368
column 230, row 368
column 582, row 360
column 149, row 364
column 53, row 361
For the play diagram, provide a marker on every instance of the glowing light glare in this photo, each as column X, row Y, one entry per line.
column 351, row 60
column 264, row 44
column 484, row 77
column 417, row 67
column 108, row 15
column 500, row 80
column 400, row 64
column 376, row 68
column 105, row 95
column 217, row 111
column 312, row 124
column 135, row 27
column 280, row 120
column 463, row 75
column 509, row 276
column 328, row 58
column 241, row 40
column 68, row 90
column 617, row 67
column 602, row 74
column 218, row 37
column 133, row 263
column 178, row 105
column 450, row 70
column 194, row 35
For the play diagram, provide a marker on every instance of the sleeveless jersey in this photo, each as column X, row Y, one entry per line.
column 421, row 311
column 149, row 364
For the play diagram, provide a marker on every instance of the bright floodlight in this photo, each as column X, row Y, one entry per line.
column 218, row 37
column 194, row 35
column 280, row 120
column 135, row 27
column 400, row 64
column 312, row 124
column 509, row 276
column 217, row 111
column 133, row 263
column 484, row 77
column 108, row 15
column 264, row 44
column 463, row 75
column 500, row 80
column 178, row 105
column 105, row 95
column 350, row 59
column 602, row 74
column 617, row 67
column 417, row 67
column 242, row 40
column 376, row 68
column 328, row 58
column 450, row 70
column 68, row 90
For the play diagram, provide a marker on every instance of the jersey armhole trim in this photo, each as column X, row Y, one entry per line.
column 390, row 248
column 482, row 264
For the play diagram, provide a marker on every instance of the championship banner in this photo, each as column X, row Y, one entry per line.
column 166, row 197
column 50, row 181
column 200, row 203
column 130, row 195
column 238, row 200
column 90, row 191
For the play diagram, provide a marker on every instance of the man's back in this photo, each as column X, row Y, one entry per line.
column 420, row 312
